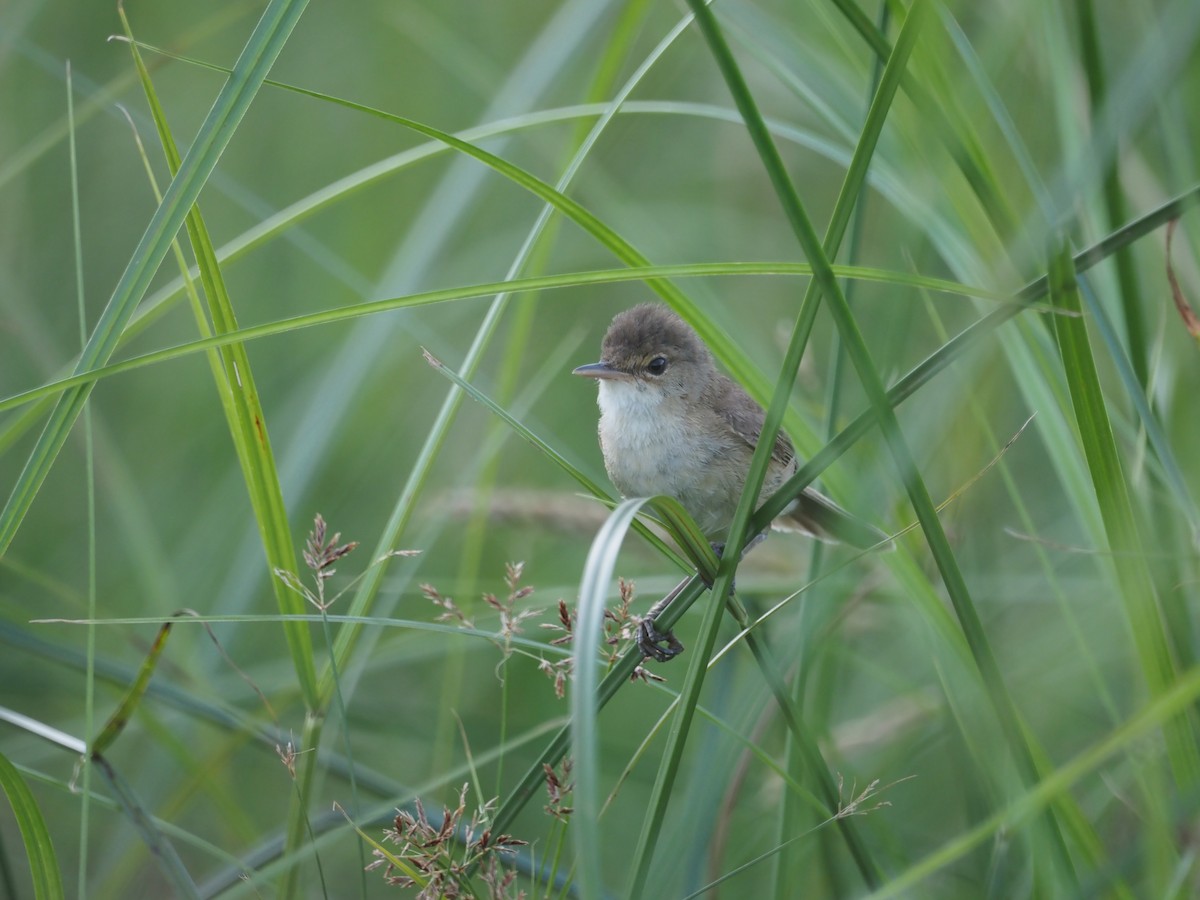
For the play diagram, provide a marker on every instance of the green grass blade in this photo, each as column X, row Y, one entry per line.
column 133, row 695
column 1114, row 196
column 1112, row 493
column 594, row 589
column 1172, row 474
column 234, row 381
column 39, row 848
column 515, row 285
column 89, row 701
column 261, row 49
column 248, row 429
column 797, row 752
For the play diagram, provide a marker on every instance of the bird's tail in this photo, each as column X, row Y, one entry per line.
column 814, row 514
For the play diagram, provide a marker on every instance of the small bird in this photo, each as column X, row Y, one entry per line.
column 671, row 423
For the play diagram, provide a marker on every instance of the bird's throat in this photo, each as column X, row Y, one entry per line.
column 646, row 439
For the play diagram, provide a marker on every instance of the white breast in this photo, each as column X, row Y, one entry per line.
column 635, row 435
column 647, row 444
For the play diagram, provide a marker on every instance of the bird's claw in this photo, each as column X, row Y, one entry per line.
column 656, row 645
column 661, row 647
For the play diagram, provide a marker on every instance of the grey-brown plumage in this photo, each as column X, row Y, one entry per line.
column 671, row 424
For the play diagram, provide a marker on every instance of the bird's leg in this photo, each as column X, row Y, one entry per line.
column 719, row 549
column 750, row 544
column 664, row 646
column 652, row 642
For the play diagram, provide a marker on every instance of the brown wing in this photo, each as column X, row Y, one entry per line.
column 745, row 418
column 812, row 512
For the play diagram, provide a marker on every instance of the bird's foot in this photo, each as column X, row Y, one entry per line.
column 653, row 643
column 663, row 647
column 656, row 645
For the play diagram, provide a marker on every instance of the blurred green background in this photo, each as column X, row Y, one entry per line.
column 351, row 404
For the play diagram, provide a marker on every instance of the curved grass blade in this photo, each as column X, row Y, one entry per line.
column 133, row 696
column 532, row 283
column 585, row 707
column 39, row 849
column 234, row 381
column 684, row 531
column 681, row 725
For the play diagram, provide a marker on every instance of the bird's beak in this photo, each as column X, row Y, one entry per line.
column 599, row 370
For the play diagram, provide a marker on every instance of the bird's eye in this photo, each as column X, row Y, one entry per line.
column 657, row 366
